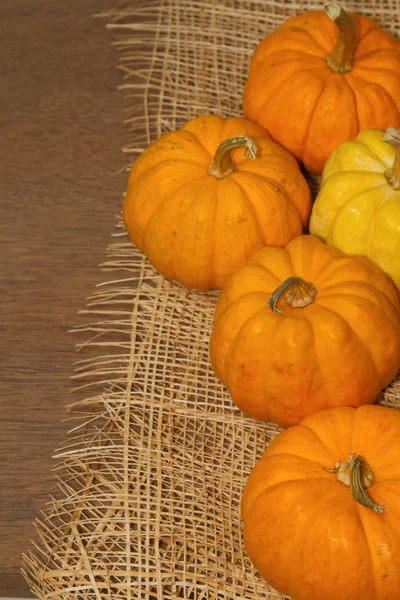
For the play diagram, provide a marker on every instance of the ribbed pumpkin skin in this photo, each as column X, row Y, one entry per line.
column 357, row 210
column 199, row 229
column 308, row 108
column 303, row 530
column 340, row 350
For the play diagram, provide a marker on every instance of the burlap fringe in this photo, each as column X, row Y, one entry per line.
column 150, row 480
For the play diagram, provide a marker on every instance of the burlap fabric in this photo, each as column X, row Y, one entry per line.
column 150, row 480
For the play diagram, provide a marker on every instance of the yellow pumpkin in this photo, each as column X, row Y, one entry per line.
column 358, row 207
column 201, row 199
column 303, row 328
column 321, row 509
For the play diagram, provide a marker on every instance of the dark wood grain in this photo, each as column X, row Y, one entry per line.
column 61, row 132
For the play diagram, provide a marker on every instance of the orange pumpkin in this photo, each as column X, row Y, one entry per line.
column 321, row 511
column 201, row 199
column 303, row 328
column 312, row 88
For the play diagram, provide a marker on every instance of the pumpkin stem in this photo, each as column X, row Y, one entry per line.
column 357, row 474
column 392, row 137
column 222, row 164
column 340, row 59
column 296, row 292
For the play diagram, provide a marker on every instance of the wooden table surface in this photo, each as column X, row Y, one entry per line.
column 61, row 131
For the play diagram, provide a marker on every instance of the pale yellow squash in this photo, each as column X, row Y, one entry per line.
column 358, row 207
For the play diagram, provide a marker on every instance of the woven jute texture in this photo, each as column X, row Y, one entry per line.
column 150, row 480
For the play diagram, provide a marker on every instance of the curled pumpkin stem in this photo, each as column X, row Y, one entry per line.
column 341, row 58
column 357, row 474
column 222, row 163
column 297, row 293
column 392, row 137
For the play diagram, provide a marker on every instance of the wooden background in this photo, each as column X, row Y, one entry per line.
column 61, row 130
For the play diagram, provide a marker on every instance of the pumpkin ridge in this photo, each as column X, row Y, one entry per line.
column 292, row 32
column 198, row 140
column 378, row 53
column 316, row 377
column 196, row 137
column 384, row 90
column 357, row 337
column 276, row 274
column 282, row 319
column 382, row 34
column 327, row 495
column 268, row 459
column 386, row 489
column 323, row 442
column 170, row 161
column 327, row 274
column 179, row 185
column 347, row 80
column 378, row 446
column 286, row 61
column 303, row 480
column 273, row 89
column 313, row 113
column 158, row 143
column 236, row 341
column 326, row 498
column 377, row 158
column 363, row 68
column 177, row 237
column 345, row 206
column 263, row 105
column 394, row 323
column 297, row 572
column 374, row 222
column 167, row 197
column 292, row 253
column 322, row 464
column 244, row 174
column 301, row 37
column 276, row 183
column 395, row 103
column 361, row 283
column 362, row 516
column 240, row 298
column 222, row 315
column 213, row 234
column 249, row 203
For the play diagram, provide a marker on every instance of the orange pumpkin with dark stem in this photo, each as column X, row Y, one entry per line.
column 303, row 328
column 312, row 88
column 202, row 198
column 321, row 510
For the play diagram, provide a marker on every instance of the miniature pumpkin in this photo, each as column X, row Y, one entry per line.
column 358, row 207
column 202, row 198
column 313, row 88
column 321, row 508
column 304, row 328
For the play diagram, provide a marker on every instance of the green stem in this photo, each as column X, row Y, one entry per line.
column 340, row 60
column 357, row 474
column 222, row 164
column 296, row 292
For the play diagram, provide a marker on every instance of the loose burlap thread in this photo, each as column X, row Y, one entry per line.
column 150, row 480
